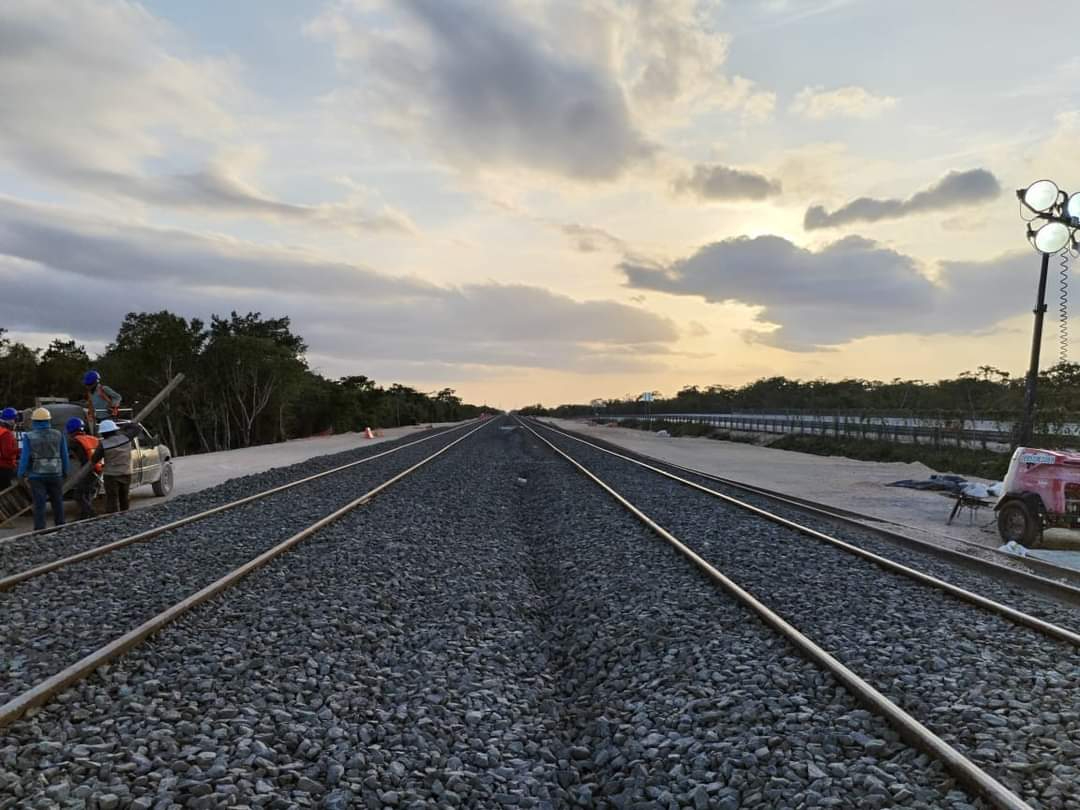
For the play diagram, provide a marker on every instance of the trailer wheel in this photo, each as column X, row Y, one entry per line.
column 1017, row 524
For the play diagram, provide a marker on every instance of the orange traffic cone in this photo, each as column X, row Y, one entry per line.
column 368, row 434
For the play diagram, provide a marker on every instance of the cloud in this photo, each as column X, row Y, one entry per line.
column 954, row 190
column 965, row 223
column 489, row 88
column 90, row 84
column 723, row 183
column 91, row 93
column 818, row 103
column 74, row 274
column 581, row 91
column 849, row 289
column 675, row 55
column 670, row 59
column 758, row 107
column 214, row 190
column 101, row 250
column 587, row 239
column 790, row 12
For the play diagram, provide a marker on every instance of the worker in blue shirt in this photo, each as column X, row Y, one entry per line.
column 44, row 462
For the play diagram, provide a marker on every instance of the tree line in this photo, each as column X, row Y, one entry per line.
column 986, row 393
column 247, row 382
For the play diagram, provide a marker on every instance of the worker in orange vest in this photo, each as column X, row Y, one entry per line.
column 83, row 446
column 9, row 447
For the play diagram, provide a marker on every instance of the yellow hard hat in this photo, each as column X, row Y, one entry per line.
column 41, row 415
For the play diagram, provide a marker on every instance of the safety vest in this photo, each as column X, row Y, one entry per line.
column 117, row 449
column 45, row 452
column 90, row 445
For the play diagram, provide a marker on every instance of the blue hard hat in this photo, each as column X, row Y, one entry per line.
column 74, row 425
column 9, row 415
column 91, row 378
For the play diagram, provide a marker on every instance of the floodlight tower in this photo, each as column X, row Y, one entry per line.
column 1052, row 229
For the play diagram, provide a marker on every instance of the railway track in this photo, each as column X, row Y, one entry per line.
column 32, row 554
column 1055, row 581
column 489, row 633
column 1037, row 576
column 68, row 617
column 1060, row 583
column 1040, row 576
column 987, row 687
column 909, row 565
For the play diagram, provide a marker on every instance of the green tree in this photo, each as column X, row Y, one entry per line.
column 253, row 325
column 150, row 349
column 447, row 406
column 18, row 372
column 247, row 381
column 61, row 370
column 247, row 374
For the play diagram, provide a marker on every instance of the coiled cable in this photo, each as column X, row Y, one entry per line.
column 1063, row 307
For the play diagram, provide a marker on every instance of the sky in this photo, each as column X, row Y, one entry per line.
column 538, row 200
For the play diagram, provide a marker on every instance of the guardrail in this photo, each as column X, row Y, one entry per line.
column 894, row 429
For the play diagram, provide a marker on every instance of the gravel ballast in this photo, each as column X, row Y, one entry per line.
column 955, row 573
column 26, row 551
column 53, row 620
column 1006, row 696
column 493, row 631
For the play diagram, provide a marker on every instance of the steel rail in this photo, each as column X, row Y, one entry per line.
column 910, row 729
column 1014, row 615
column 1042, row 577
column 1043, row 581
column 35, row 533
column 46, row 689
column 10, row 581
column 1042, row 573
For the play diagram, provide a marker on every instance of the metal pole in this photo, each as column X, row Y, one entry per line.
column 1031, row 388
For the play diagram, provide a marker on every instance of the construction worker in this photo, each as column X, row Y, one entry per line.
column 83, row 447
column 9, row 447
column 44, row 462
column 102, row 402
column 115, row 450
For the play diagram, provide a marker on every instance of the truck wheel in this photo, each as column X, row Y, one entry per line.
column 1017, row 524
column 163, row 486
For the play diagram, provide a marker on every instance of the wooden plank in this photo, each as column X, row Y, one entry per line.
column 13, row 502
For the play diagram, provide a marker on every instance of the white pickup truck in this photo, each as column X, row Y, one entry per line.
column 151, row 462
